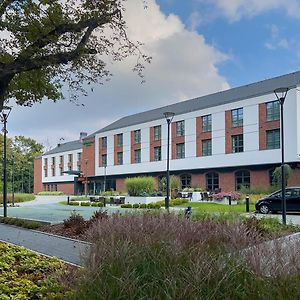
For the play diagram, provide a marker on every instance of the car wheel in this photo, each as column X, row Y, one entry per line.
column 264, row 209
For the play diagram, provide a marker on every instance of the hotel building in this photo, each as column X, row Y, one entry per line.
column 219, row 141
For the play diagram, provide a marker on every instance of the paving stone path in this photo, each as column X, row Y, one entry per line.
column 68, row 250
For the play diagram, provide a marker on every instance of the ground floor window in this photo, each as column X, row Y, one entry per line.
column 186, row 181
column 242, row 178
column 212, row 181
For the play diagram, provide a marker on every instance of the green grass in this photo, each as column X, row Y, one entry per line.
column 19, row 197
column 215, row 207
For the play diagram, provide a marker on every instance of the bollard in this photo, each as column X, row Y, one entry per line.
column 104, row 202
column 247, row 204
column 188, row 213
column 68, row 200
column 229, row 199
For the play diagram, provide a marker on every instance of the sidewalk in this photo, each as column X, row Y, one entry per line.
column 68, row 250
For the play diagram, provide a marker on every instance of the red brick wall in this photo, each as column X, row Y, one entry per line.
column 133, row 147
column 102, row 151
column 294, row 180
column 265, row 125
column 259, row 178
column 37, row 182
column 229, row 131
column 88, row 157
column 120, row 185
column 200, row 136
column 198, row 180
column 67, row 188
column 153, row 143
column 175, row 140
column 227, row 182
column 116, row 149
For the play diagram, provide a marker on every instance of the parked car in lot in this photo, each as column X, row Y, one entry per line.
column 273, row 202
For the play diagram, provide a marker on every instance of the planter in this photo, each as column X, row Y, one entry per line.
column 142, row 200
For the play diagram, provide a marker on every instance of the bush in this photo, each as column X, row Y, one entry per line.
column 97, row 204
column 50, row 193
column 258, row 190
column 136, row 205
column 110, row 193
column 74, row 203
column 153, row 205
column 21, row 222
column 143, row 205
column 85, row 203
column 138, row 185
column 76, row 222
column 178, row 201
column 234, row 196
column 126, row 205
column 18, row 198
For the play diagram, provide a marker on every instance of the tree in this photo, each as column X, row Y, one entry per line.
column 45, row 44
column 277, row 175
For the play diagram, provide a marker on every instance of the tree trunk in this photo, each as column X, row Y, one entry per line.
column 4, row 82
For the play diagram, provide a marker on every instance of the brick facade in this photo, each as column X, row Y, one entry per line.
column 102, row 151
column 133, row 147
column 116, row 149
column 120, row 185
column 175, row 140
column 230, row 131
column 200, row 136
column 153, row 144
column 66, row 188
column 37, row 183
column 88, row 157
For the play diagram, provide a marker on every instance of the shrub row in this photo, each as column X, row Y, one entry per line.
column 20, row 222
column 143, row 205
column 18, row 198
column 50, row 193
column 94, row 204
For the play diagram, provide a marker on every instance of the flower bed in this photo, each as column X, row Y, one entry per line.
column 235, row 196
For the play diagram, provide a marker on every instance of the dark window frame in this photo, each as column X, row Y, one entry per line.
column 120, row 158
column 272, row 111
column 157, row 153
column 120, row 139
column 180, row 128
column 212, row 181
column 180, row 154
column 186, row 180
column 137, row 136
column 157, row 133
column 237, row 142
column 240, row 179
column 273, row 139
column 206, row 123
column 137, row 156
column 207, row 147
column 237, row 117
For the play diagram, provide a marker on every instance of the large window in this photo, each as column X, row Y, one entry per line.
column 206, row 148
column 104, row 142
column 157, row 153
column 53, row 161
column 242, row 178
column 104, row 160
column 186, row 181
column 237, row 143
column 157, row 133
column 180, row 153
column 120, row 158
column 137, row 136
column 206, row 123
column 137, row 156
column 79, row 156
column 272, row 111
column 237, row 117
column 70, row 158
column 120, row 139
column 273, row 139
column 180, row 128
column 212, row 181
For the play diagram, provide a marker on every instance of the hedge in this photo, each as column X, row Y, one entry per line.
column 138, row 185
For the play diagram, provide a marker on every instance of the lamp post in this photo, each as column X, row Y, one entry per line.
column 169, row 117
column 86, row 183
column 104, row 187
column 281, row 95
column 4, row 117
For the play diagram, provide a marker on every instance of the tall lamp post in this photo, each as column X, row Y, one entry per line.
column 104, row 187
column 4, row 117
column 169, row 117
column 86, row 178
column 281, row 95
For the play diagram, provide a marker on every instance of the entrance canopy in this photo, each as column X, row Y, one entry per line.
column 72, row 172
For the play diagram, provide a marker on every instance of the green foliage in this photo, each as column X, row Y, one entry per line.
column 136, row 205
column 138, row 185
column 27, row 275
column 21, row 222
column 110, row 193
column 85, row 203
column 257, row 190
column 74, row 203
column 277, row 175
column 18, row 198
column 97, row 204
column 175, row 183
column 126, row 205
column 48, row 193
column 143, row 205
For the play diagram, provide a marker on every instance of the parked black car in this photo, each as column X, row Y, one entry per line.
column 273, row 203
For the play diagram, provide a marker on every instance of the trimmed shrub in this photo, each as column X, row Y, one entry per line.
column 97, row 204
column 20, row 197
column 143, row 205
column 74, row 203
column 21, row 222
column 127, row 205
column 110, row 193
column 85, row 203
column 258, row 190
column 138, row 185
column 136, row 205
column 50, row 193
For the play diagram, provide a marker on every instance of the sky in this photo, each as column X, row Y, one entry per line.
column 198, row 47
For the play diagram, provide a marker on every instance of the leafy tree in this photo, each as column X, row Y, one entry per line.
column 277, row 175
column 45, row 44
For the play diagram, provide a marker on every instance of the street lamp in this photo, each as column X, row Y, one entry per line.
column 4, row 116
column 104, row 187
column 169, row 117
column 281, row 95
column 86, row 183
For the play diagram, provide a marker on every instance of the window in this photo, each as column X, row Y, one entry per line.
column 104, row 160
column 61, row 159
column 212, row 181
column 237, row 143
column 45, row 172
column 206, row 148
column 104, row 142
column 53, row 171
column 157, row 153
column 78, row 156
column 120, row 139
column 273, row 139
column 120, row 158
column 180, row 151
column 70, row 158
column 53, row 161
column 46, row 162
column 186, row 180
column 237, row 117
column 272, row 111
column 137, row 156
column 242, row 178
column 61, row 170
column 137, row 136
column 180, row 128
column 79, row 168
column 157, row 133
column 206, row 123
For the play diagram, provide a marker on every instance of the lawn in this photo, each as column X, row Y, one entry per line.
column 215, row 207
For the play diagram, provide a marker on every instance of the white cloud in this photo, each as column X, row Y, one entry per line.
column 234, row 10
column 183, row 66
column 276, row 41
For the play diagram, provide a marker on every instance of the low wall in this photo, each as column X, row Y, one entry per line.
column 141, row 200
